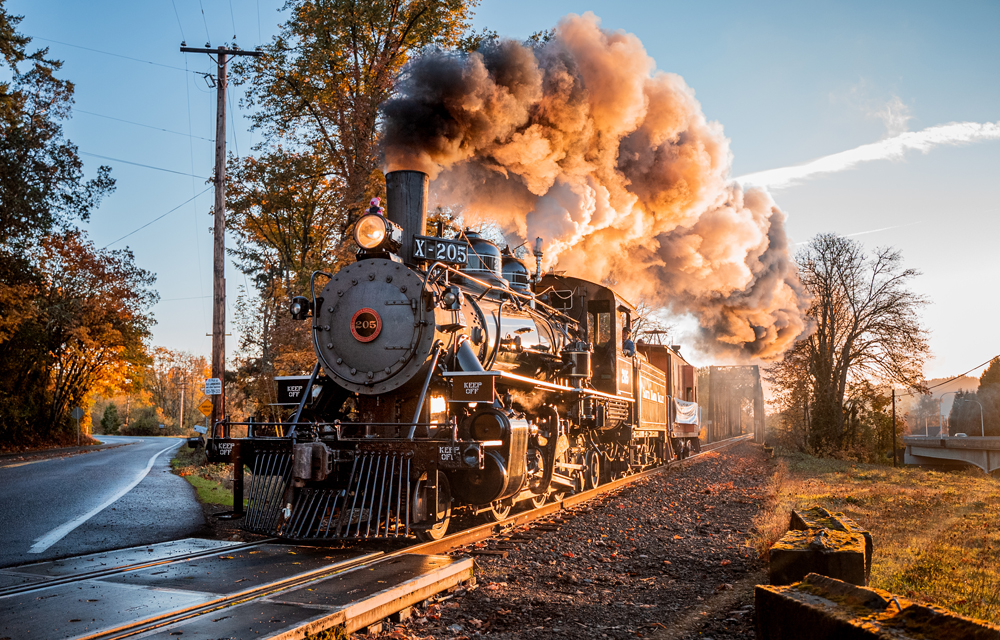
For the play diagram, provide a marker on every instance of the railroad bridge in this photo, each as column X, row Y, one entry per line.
column 947, row 451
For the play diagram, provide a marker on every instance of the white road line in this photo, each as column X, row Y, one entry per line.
column 57, row 534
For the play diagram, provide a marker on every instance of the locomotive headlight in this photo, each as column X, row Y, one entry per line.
column 450, row 298
column 370, row 231
column 300, row 307
column 375, row 233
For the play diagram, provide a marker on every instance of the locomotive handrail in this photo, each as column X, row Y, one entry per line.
column 252, row 425
column 538, row 383
column 305, row 396
column 423, row 391
column 490, row 287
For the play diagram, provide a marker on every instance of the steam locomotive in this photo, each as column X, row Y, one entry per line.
column 449, row 376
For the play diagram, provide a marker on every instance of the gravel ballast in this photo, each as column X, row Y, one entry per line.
column 669, row 556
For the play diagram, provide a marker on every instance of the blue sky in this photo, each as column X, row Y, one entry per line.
column 789, row 81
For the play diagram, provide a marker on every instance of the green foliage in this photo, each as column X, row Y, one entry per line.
column 41, row 176
column 145, row 421
column 110, row 422
column 212, row 482
column 991, row 376
column 964, row 416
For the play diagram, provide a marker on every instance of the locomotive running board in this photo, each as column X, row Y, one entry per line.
column 524, row 381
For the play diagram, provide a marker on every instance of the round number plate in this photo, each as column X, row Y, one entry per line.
column 366, row 325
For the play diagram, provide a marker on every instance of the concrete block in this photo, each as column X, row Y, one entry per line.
column 822, row 608
column 819, row 518
column 837, row 554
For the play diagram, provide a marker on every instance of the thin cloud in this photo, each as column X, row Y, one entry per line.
column 955, row 133
column 863, row 233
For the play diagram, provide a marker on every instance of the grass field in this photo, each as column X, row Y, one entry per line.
column 936, row 533
column 213, row 482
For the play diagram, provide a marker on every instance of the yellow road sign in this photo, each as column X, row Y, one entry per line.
column 206, row 407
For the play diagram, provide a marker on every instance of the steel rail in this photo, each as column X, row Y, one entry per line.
column 100, row 573
column 448, row 543
column 233, row 599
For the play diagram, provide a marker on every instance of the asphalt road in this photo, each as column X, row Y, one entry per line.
column 95, row 501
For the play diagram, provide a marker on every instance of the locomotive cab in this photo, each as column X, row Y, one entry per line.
column 604, row 315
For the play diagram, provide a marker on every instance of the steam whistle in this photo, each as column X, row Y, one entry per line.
column 538, row 260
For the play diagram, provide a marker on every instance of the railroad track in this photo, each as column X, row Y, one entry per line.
column 483, row 532
column 413, row 563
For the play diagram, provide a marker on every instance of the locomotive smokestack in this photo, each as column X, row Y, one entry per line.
column 406, row 196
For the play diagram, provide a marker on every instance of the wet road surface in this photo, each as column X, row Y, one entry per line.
column 95, row 501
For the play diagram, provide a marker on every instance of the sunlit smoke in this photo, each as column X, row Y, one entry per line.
column 580, row 140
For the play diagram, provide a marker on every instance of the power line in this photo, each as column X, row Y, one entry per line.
column 116, row 55
column 194, row 210
column 232, row 120
column 155, row 219
column 205, row 20
column 139, row 164
column 232, row 14
column 952, row 379
column 139, row 124
column 178, row 15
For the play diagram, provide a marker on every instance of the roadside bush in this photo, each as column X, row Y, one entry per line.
column 110, row 422
column 146, row 421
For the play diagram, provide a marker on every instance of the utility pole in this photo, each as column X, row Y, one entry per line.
column 894, row 454
column 219, row 233
column 181, row 420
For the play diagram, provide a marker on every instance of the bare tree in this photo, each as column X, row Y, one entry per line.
column 867, row 329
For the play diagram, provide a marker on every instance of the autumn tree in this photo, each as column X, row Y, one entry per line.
column 86, row 333
column 866, row 331
column 316, row 94
column 172, row 381
column 319, row 88
column 73, row 319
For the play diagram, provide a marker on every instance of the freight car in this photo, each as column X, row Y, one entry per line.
column 448, row 375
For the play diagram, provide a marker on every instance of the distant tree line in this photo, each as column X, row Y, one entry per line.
column 168, row 393
column 74, row 319
column 974, row 412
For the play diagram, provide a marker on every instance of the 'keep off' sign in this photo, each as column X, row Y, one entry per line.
column 472, row 389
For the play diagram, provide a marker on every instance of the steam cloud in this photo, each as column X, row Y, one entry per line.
column 580, row 140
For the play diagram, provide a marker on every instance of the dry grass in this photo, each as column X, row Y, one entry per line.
column 772, row 521
column 936, row 537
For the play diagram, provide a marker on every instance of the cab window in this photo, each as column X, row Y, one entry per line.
column 599, row 322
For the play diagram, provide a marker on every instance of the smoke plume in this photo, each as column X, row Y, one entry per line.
column 580, row 140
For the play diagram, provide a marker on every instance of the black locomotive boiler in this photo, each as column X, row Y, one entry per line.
column 449, row 376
